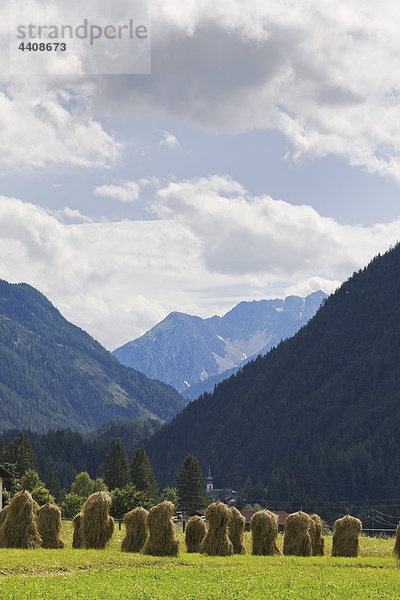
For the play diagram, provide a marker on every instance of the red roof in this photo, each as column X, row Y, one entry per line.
column 282, row 514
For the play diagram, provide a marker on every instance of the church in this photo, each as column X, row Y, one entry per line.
column 226, row 495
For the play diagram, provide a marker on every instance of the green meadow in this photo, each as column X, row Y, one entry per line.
column 111, row 574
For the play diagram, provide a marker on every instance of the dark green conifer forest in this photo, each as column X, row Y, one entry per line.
column 316, row 420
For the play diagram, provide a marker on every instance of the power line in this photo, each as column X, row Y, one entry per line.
column 387, row 516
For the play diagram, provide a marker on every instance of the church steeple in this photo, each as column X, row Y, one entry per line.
column 210, row 483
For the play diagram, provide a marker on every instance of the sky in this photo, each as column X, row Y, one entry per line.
column 256, row 156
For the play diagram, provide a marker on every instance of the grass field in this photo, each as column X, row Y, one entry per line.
column 112, row 574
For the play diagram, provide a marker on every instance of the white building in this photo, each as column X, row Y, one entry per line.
column 226, row 495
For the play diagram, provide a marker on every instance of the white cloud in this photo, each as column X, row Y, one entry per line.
column 249, row 236
column 70, row 215
column 310, row 285
column 126, row 192
column 43, row 124
column 325, row 74
column 213, row 245
column 169, row 140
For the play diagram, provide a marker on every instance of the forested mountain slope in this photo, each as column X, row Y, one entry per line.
column 54, row 375
column 319, row 416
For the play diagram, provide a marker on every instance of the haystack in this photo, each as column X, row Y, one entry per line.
column 77, row 541
column 3, row 513
column 136, row 530
column 195, row 533
column 96, row 526
column 396, row 549
column 217, row 542
column 297, row 540
column 264, row 533
column 346, row 532
column 236, row 531
column 161, row 541
column 19, row 528
column 49, row 525
column 317, row 541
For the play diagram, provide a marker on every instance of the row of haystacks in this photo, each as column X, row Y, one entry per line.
column 153, row 532
column 25, row 524
column 302, row 534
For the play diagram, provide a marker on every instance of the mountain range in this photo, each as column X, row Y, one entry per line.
column 319, row 415
column 55, row 375
column 194, row 354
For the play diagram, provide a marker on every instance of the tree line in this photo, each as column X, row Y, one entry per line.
column 131, row 483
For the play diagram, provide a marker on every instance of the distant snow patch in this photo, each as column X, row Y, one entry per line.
column 186, row 383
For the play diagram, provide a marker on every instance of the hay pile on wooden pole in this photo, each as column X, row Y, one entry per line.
column 297, row 540
column 236, row 531
column 19, row 528
column 317, row 540
column 136, row 530
column 96, row 526
column 217, row 542
column 77, row 541
column 346, row 533
column 49, row 525
column 396, row 549
column 161, row 541
column 264, row 534
column 195, row 533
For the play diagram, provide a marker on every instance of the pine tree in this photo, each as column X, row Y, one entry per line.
column 190, row 486
column 21, row 454
column 142, row 474
column 116, row 469
column 52, row 480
